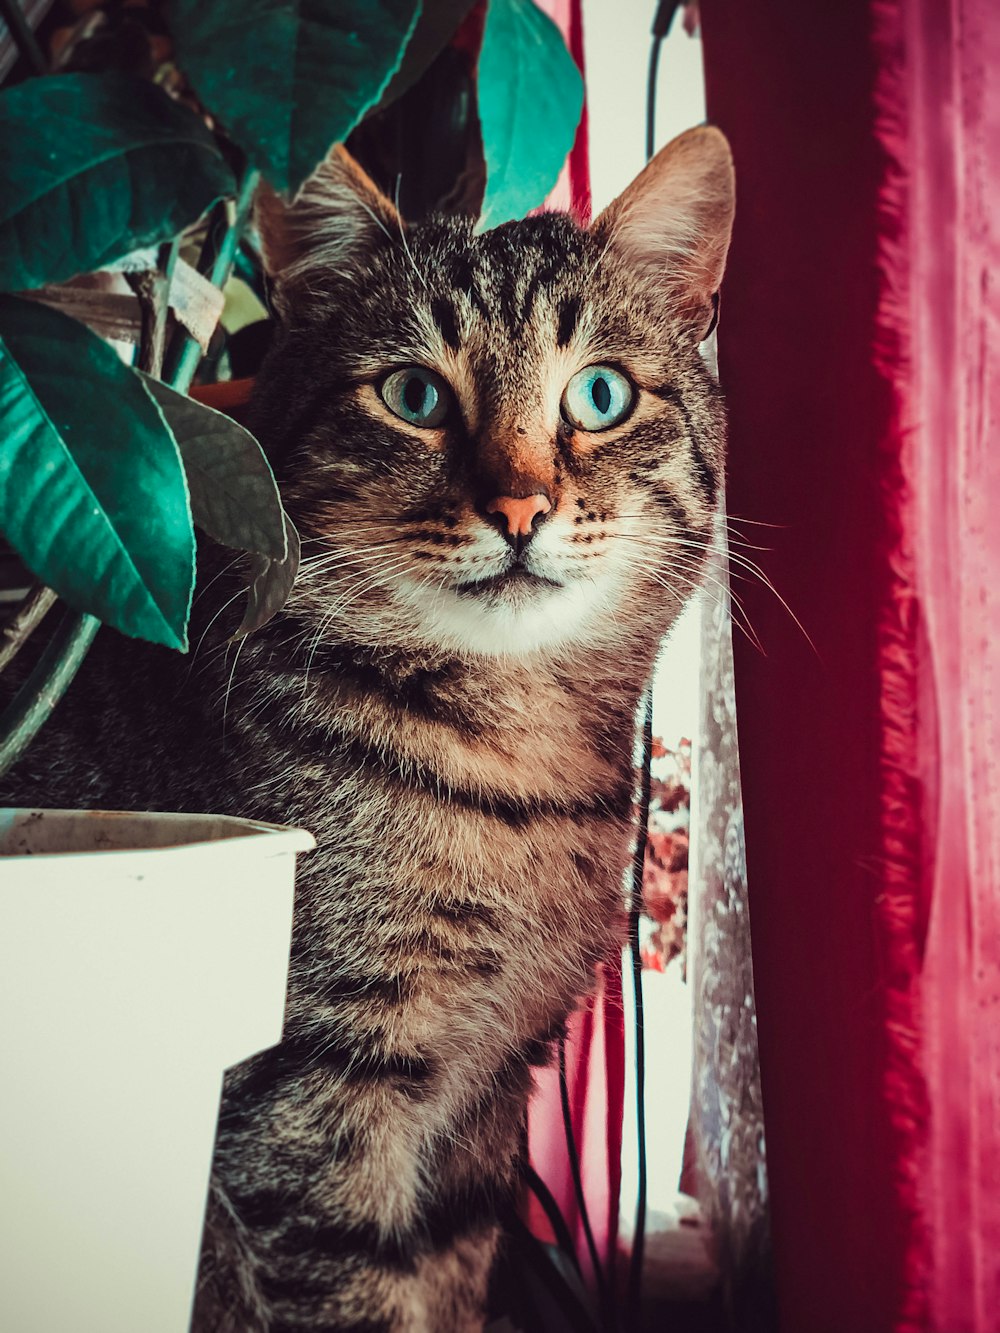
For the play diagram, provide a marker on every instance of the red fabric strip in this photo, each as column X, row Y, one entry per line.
column 947, row 143
column 900, row 907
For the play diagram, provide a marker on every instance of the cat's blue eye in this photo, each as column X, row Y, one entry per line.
column 597, row 398
column 416, row 395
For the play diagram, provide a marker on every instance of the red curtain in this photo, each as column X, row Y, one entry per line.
column 859, row 352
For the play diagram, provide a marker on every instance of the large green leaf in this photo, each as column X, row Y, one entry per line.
column 93, row 167
column 289, row 78
column 233, row 494
column 92, row 491
column 530, row 99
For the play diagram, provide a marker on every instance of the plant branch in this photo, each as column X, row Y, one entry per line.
column 17, row 631
column 184, row 356
column 32, row 706
column 150, row 288
column 23, row 37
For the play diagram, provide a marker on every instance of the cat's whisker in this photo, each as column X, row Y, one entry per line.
column 755, row 522
column 735, row 557
column 373, row 574
column 731, row 539
column 728, row 598
column 700, row 576
column 240, row 592
column 381, row 526
column 754, row 571
column 345, row 550
column 402, row 234
column 375, row 218
column 320, row 563
column 229, row 685
column 726, row 603
column 348, row 598
column 225, row 570
column 325, row 622
column 345, row 602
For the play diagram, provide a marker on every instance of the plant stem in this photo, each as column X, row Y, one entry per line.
column 24, row 39
column 182, row 362
column 16, row 632
column 38, row 696
column 150, row 288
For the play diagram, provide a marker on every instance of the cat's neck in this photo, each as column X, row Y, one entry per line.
column 537, row 728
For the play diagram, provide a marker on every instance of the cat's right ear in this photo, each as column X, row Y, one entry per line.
column 337, row 216
column 673, row 224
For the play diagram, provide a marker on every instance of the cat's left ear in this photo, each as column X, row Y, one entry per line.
column 336, row 218
column 673, row 223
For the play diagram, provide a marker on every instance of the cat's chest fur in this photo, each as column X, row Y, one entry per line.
column 471, row 830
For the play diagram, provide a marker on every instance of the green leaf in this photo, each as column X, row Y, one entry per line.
column 437, row 24
column 233, row 494
column 289, row 78
column 530, row 100
column 92, row 491
column 271, row 582
column 93, row 167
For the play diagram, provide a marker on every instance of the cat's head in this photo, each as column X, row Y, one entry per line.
column 502, row 443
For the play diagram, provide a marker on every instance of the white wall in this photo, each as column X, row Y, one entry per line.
column 617, row 39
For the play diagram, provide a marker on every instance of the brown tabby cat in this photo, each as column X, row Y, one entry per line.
column 502, row 452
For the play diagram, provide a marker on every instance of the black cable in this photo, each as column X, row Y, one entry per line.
column 664, row 16
column 633, row 1300
column 607, row 1308
column 557, row 1222
column 532, row 1252
column 654, row 65
column 662, row 20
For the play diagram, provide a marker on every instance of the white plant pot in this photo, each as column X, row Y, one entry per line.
column 140, row 956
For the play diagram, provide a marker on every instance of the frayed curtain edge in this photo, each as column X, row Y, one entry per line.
column 898, row 907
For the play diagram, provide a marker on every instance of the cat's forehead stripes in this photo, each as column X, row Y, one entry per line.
column 447, row 321
column 569, row 314
column 509, row 283
column 504, row 323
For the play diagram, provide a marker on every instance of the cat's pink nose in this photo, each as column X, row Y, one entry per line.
column 520, row 515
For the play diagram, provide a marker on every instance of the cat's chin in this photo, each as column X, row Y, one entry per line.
column 515, row 616
column 515, row 587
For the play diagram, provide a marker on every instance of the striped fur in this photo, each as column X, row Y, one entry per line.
column 459, row 742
